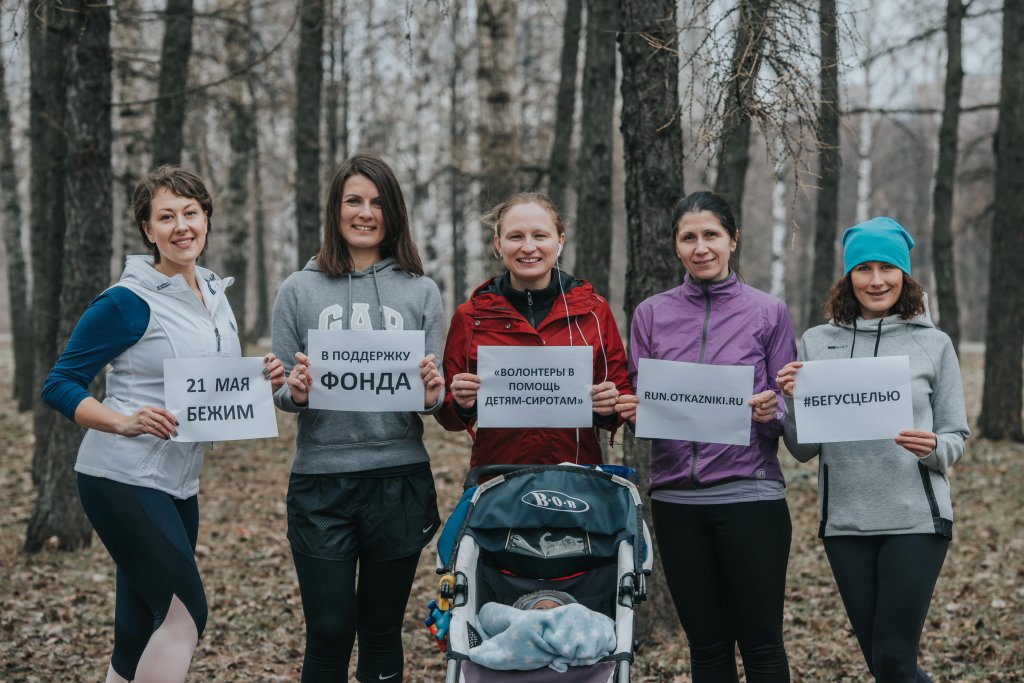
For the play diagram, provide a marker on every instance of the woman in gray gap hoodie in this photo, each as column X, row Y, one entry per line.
column 361, row 490
column 886, row 514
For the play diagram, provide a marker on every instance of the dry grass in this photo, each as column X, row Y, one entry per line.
column 56, row 608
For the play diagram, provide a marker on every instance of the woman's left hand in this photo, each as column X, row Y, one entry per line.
column 433, row 383
column 917, row 441
column 763, row 406
column 603, row 397
column 273, row 371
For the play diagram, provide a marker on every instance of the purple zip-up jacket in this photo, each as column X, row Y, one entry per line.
column 721, row 323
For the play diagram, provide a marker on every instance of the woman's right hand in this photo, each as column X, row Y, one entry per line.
column 158, row 422
column 300, row 380
column 786, row 379
column 465, row 386
column 625, row 405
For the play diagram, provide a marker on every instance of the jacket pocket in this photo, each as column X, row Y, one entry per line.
column 147, row 464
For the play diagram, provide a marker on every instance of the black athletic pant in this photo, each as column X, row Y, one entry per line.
column 886, row 583
column 335, row 610
column 151, row 536
column 726, row 569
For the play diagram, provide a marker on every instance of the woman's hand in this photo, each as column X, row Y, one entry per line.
column 603, row 397
column 300, row 380
column 158, row 422
column 433, row 383
column 273, row 371
column 465, row 386
column 763, row 406
column 917, row 441
column 625, row 406
column 786, row 379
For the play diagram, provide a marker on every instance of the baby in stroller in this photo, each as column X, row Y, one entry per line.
column 544, row 628
column 532, row 529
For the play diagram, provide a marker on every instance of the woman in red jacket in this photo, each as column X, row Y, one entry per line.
column 534, row 303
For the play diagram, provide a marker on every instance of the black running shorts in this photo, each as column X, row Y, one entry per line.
column 360, row 516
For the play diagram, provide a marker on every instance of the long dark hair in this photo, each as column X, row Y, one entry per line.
column 715, row 204
column 842, row 307
column 177, row 181
column 334, row 257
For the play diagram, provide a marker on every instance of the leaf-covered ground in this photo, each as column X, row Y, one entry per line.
column 56, row 608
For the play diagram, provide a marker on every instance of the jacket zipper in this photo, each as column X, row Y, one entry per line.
column 529, row 302
column 694, row 452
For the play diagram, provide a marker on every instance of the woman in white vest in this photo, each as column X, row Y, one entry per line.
column 138, row 487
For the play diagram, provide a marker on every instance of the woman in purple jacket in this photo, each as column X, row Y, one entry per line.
column 720, row 511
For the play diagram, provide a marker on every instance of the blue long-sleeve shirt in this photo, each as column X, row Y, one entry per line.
column 113, row 322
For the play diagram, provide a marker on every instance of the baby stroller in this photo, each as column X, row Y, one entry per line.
column 575, row 529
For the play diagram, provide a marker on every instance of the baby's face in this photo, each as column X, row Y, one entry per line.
column 546, row 604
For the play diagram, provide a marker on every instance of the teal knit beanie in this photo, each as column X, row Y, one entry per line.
column 877, row 239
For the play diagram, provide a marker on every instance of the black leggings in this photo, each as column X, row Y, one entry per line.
column 886, row 583
column 151, row 536
column 726, row 569
column 335, row 610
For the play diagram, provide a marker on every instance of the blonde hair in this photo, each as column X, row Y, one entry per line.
column 494, row 217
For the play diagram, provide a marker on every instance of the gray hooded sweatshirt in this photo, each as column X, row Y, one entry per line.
column 382, row 297
column 877, row 487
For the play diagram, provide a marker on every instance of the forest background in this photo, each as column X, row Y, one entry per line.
column 809, row 114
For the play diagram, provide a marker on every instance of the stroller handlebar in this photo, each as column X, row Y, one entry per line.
column 474, row 476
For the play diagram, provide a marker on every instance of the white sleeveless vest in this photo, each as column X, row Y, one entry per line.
column 180, row 326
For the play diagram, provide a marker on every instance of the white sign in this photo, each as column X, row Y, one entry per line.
column 219, row 398
column 694, row 401
column 366, row 370
column 535, row 386
column 855, row 399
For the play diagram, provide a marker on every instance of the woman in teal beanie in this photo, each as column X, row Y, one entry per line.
column 885, row 507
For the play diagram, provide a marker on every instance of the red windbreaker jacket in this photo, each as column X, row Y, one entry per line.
column 489, row 319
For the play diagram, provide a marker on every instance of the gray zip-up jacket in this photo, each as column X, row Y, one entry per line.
column 382, row 297
column 877, row 487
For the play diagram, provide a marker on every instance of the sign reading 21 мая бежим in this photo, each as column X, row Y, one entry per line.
column 219, row 398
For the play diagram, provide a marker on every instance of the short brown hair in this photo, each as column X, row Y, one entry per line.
column 842, row 306
column 175, row 180
column 334, row 257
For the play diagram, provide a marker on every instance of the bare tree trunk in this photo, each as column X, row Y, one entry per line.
column 945, row 178
column 594, row 169
column 499, row 132
column 1004, row 330
column 48, row 59
column 260, row 326
column 561, row 148
column 241, row 138
column 779, row 224
column 827, row 211
column 17, row 269
column 132, row 126
column 169, row 126
column 343, row 150
column 734, row 144
column 330, row 162
column 309, row 76
column 86, row 264
column 652, row 139
column 457, row 164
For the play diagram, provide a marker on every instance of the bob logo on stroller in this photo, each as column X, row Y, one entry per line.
column 556, row 501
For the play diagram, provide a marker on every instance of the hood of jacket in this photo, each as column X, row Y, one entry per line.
column 139, row 270
column 872, row 331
